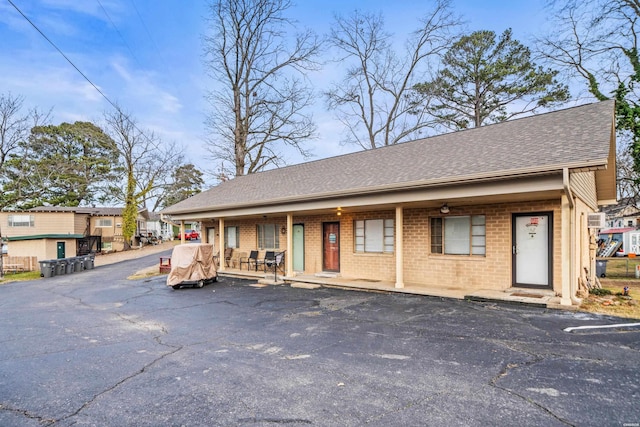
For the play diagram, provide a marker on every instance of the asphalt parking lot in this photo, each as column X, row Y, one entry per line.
column 96, row 349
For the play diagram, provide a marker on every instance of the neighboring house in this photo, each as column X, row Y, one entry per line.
column 50, row 232
column 624, row 215
column 497, row 207
column 158, row 227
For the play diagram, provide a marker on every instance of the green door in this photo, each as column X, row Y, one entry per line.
column 298, row 247
column 61, row 251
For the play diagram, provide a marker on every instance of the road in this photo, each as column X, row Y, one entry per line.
column 96, row 349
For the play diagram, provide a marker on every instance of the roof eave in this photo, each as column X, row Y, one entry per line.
column 414, row 185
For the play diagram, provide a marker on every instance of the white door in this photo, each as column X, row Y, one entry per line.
column 532, row 249
column 211, row 236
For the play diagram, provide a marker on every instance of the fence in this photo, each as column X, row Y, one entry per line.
column 19, row 263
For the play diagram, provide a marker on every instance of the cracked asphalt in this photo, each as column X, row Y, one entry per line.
column 95, row 349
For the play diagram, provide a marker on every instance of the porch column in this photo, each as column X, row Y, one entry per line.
column 221, row 243
column 566, row 260
column 288, row 259
column 399, row 247
column 182, row 231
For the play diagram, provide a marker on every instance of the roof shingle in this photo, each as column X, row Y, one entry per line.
column 577, row 136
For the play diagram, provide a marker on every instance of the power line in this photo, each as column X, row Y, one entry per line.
column 63, row 55
column 119, row 33
column 113, row 104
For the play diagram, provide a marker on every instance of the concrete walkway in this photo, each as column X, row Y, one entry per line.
column 533, row 297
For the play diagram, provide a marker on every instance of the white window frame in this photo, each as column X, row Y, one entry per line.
column 267, row 234
column 100, row 223
column 23, row 220
column 459, row 235
column 374, row 235
column 234, row 242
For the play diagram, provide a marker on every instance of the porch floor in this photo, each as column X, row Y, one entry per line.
column 535, row 297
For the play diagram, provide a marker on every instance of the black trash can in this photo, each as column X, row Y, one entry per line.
column 601, row 267
column 47, row 268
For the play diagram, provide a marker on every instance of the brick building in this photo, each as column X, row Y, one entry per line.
column 497, row 207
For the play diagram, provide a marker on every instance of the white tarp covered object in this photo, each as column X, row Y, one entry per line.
column 192, row 264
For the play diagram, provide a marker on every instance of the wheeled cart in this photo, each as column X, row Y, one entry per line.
column 192, row 265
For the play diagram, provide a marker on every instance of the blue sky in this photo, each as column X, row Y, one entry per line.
column 146, row 55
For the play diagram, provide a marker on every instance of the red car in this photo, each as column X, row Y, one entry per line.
column 189, row 235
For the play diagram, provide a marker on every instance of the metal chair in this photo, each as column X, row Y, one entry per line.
column 252, row 258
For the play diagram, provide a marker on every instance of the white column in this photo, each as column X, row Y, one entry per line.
column 288, row 258
column 565, row 242
column 399, row 247
column 221, row 243
column 181, row 231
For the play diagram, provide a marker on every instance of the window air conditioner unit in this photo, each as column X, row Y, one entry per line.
column 596, row 220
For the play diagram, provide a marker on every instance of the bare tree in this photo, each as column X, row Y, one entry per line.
column 137, row 150
column 155, row 175
column 596, row 41
column 15, row 125
column 374, row 100
column 258, row 109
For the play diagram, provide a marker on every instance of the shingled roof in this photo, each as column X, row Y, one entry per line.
column 572, row 138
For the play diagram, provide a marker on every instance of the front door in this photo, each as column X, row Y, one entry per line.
column 532, row 249
column 331, row 246
column 298, row 247
column 61, row 250
column 211, row 236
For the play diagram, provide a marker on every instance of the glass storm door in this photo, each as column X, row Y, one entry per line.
column 531, row 251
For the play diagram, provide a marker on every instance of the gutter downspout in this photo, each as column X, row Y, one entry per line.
column 572, row 274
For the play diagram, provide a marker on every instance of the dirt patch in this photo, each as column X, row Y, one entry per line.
column 618, row 298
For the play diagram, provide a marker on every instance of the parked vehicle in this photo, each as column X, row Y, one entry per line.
column 189, row 235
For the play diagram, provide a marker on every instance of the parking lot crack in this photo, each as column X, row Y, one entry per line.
column 42, row 420
column 121, row 382
column 506, row 369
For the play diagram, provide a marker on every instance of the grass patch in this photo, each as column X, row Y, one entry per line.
column 147, row 272
column 611, row 299
column 622, row 267
column 19, row 277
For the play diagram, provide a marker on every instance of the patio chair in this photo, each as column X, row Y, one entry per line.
column 251, row 259
column 276, row 263
column 269, row 256
column 216, row 259
column 227, row 256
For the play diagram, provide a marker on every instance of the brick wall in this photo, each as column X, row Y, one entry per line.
column 492, row 271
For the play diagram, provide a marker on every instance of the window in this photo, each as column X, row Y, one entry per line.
column 104, row 222
column 374, row 235
column 458, row 235
column 21, row 221
column 268, row 237
column 232, row 237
